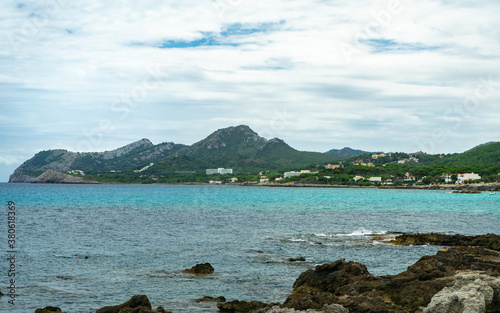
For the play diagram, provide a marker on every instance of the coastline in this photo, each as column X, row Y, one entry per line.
column 478, row 187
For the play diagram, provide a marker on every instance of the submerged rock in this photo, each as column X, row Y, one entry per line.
column 201, row 269
column 136, row 304
column 299, row 259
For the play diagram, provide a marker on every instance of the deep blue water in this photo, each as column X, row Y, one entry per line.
column 140, row 237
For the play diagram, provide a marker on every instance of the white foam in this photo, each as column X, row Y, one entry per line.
column 363, row 232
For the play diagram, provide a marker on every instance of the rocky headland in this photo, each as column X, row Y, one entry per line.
column 54, row 177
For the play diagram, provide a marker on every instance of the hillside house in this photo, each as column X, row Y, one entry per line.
column 220, row 170
column 293, row 173
column 333, row 166
column 462, row 178
column 356, row 178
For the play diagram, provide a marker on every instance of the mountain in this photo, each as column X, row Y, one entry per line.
column 237, row 147
column 347, row 152
column 243, row 150
column 483, row 144
column 482, row 156
column 129, row 156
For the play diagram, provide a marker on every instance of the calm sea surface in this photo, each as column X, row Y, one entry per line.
column 140, row 237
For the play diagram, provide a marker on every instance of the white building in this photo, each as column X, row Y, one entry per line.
column 221, row 171
column 356, row 178
column 446, row 178
column 462, row 178
column 408, row 177
column 77, row 172
column 375, row 179
column 293, row 173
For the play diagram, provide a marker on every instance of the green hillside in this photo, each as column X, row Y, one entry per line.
column 239, row 148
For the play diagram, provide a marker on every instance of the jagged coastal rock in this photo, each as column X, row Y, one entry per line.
column 49, row 309
column 201, row 269
column 53, row 177
column 241, row 306
column 471, row 292
column 136, row 304
column 327, row 308
column 490, row 241
column 211, row 299
column 352, row 286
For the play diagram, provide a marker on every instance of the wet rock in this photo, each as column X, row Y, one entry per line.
column 201, row 269
column 339, row 277
column 327, row 308
column 211, row 299
column 467, row 191
column 299, row 259
column 351, row 285
column 240, row 306
column 489, row 241
column 49, row 309
column 471, row 292
column 136, row 304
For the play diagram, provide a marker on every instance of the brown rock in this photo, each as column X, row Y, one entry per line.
column 201, row 269
column 211, row 299
column 489, row 241
column 240, row 306
column 48, row 309
column 136, row 304
column 351, row 285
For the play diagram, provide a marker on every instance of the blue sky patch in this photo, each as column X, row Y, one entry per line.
column 223, row 38
column 385, row 45
column 207, row 40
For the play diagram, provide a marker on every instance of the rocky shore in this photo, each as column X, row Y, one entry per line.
column 463, row 278
column 54, row 177
column 465, row 187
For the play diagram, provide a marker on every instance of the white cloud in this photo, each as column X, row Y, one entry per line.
column 65, row 69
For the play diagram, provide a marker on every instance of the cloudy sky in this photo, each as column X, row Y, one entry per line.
column 320, row 74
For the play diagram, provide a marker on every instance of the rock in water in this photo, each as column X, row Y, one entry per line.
column 201, row 269
column 472, row 292
column 352, row 286
column 327, row 308
column 136, row 304
column 211, row 299
column 240, row 306
column 489, row 241
column 48, row 309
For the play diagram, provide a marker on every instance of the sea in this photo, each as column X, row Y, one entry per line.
column 140, row 238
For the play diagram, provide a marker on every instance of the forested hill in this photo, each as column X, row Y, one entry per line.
column 239, row 148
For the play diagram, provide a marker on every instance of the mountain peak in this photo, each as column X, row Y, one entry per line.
column 143, row 143
column 230, row 136
column 346, row 152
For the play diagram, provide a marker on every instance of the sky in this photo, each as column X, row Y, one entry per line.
column 385, row 75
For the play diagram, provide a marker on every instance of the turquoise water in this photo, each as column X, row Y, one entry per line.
column 140, row 237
